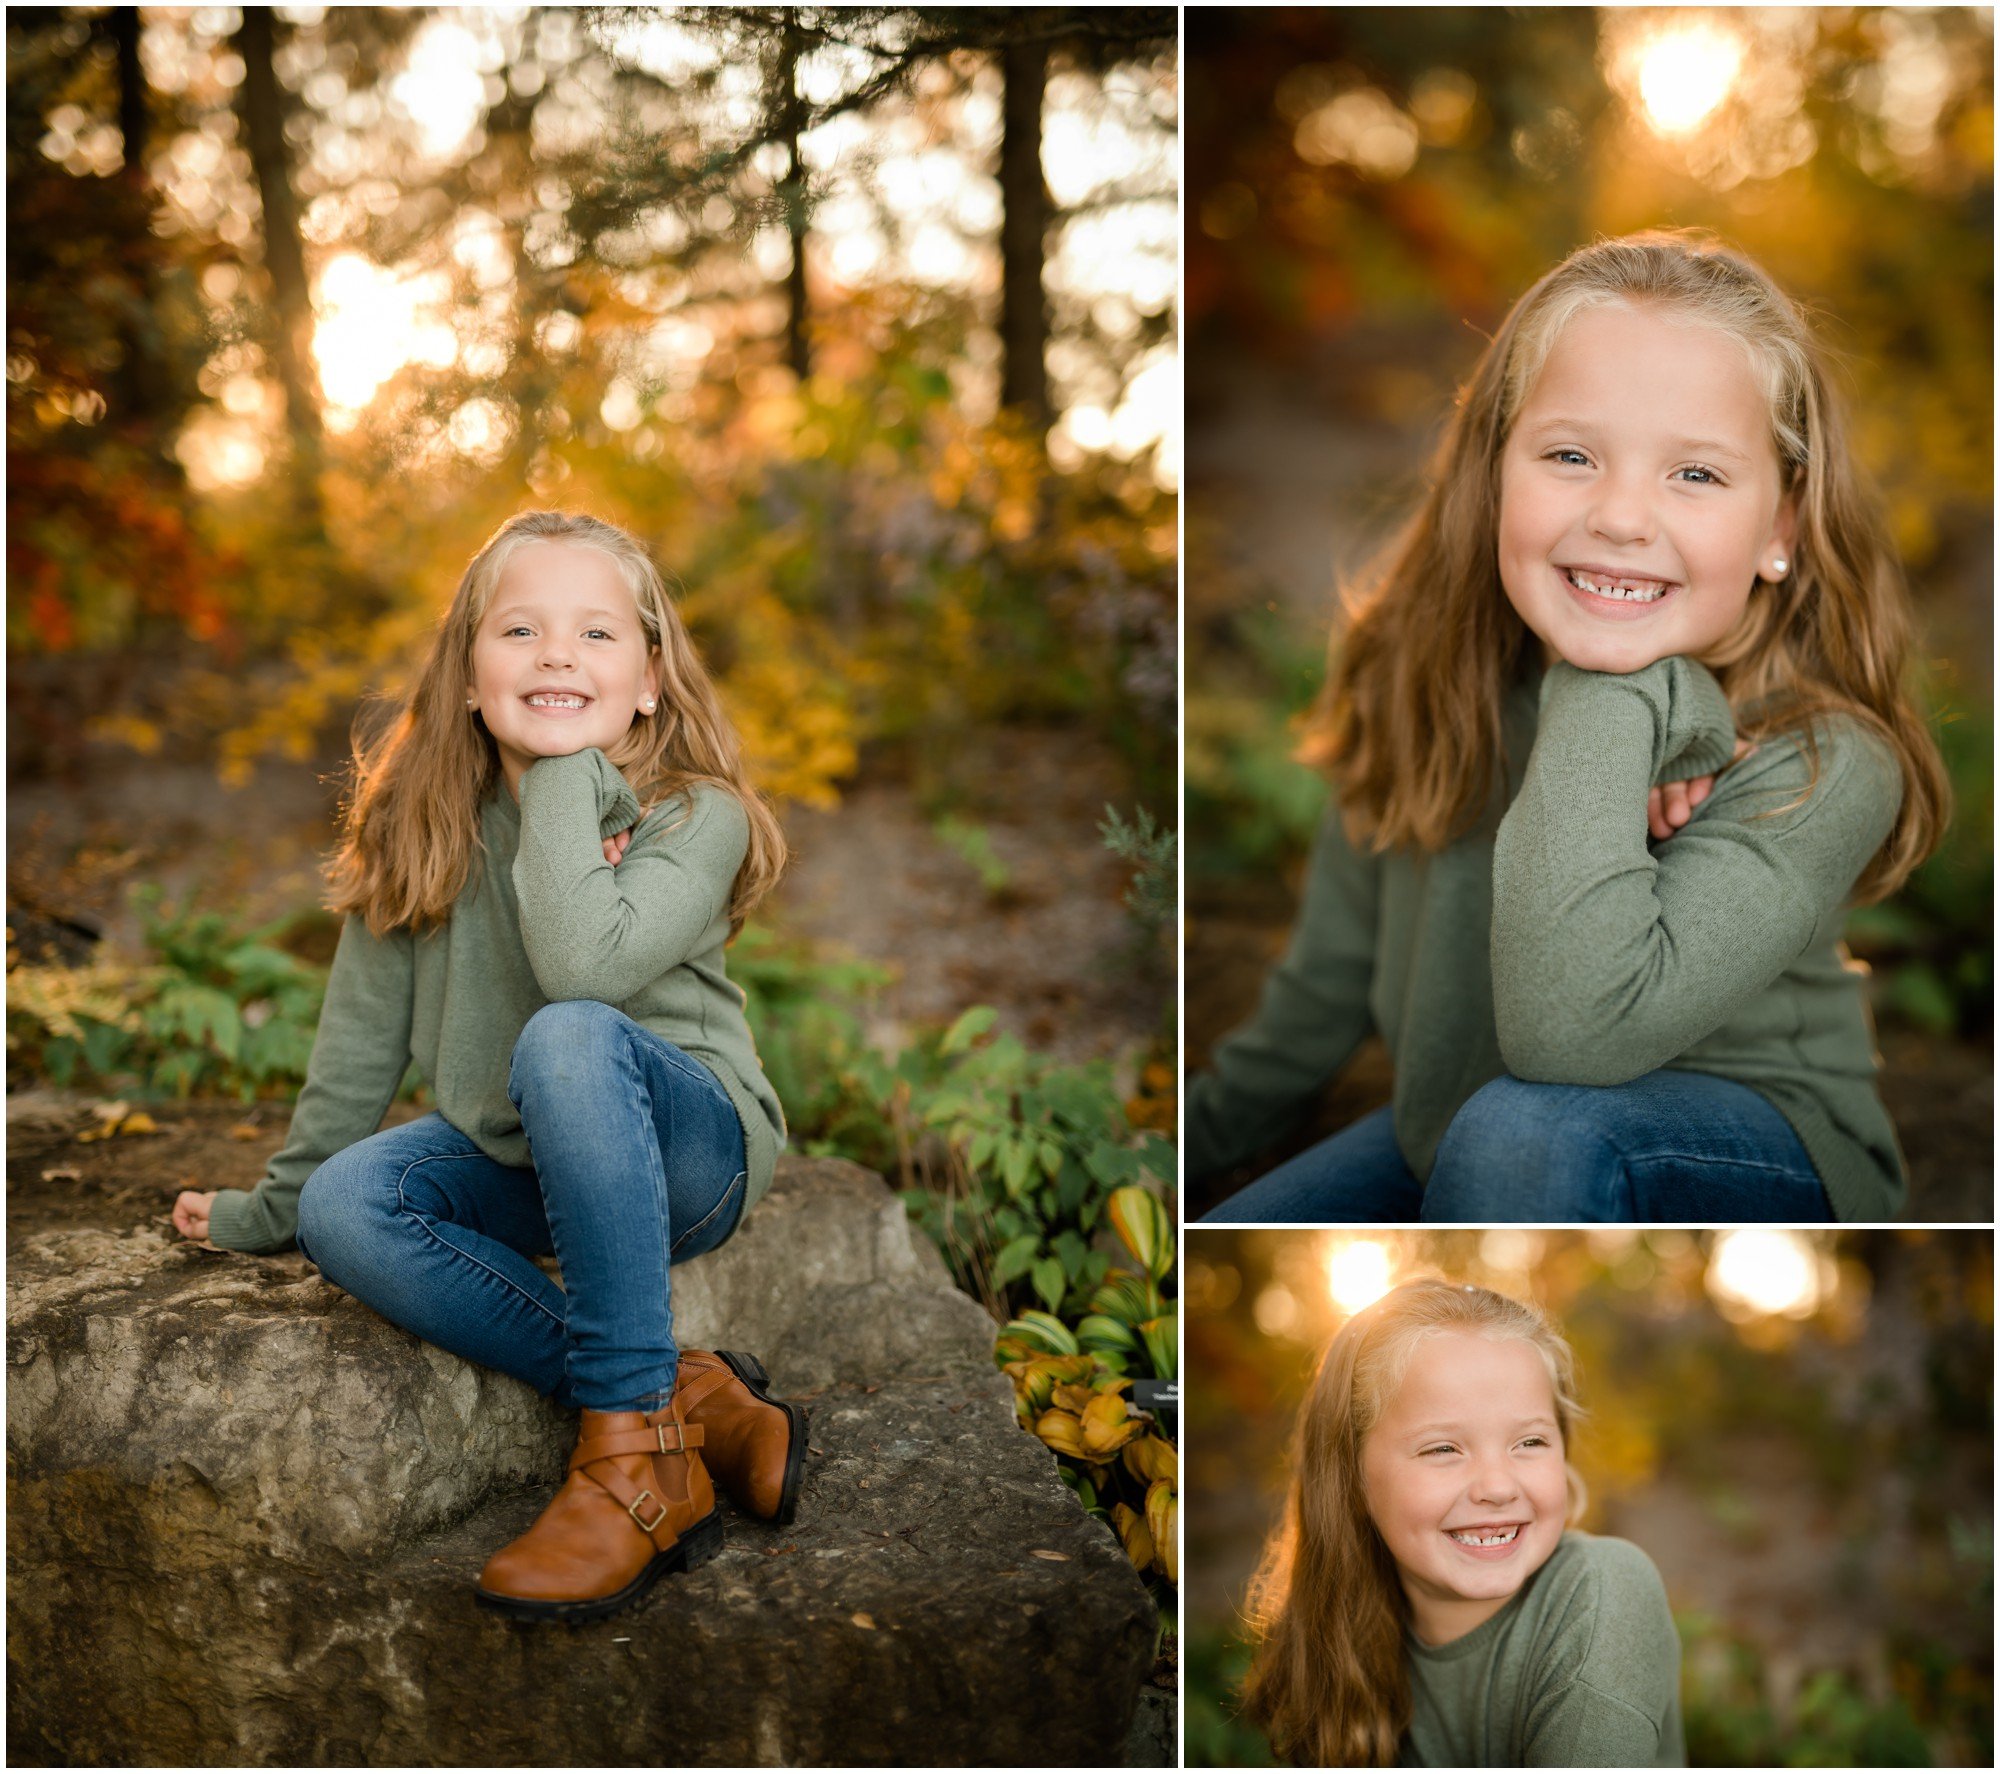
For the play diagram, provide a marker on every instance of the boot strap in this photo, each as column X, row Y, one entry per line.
column 660, row 1438
column 700, row 1384
column 647, row 1508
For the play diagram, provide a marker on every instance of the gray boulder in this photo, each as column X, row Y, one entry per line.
column 246, row 1513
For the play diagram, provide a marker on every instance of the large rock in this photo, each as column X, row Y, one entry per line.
column 245, row 1516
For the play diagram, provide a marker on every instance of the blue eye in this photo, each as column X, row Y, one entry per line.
column 519, row 626
column 1712, row 480
column 1578, row 454
column 1443, row 1447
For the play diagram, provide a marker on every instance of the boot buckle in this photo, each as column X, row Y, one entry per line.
column 632, row 1509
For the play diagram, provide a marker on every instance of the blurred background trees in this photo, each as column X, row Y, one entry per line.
column 1796, row 1427
column 861, row 318
column 1369, row 191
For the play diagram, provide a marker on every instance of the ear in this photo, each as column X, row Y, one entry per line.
column 1782, row 543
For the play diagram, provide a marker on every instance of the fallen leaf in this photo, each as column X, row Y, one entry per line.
column 139, row 1123
column 1060, row 1558
column 865, row 1622
column 63, row 1173
column 112, row 1112
column 245, row 1130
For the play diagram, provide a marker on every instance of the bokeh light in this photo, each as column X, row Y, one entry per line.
column 1764, row 1271
column 1685, row 72
column 1358, row 1274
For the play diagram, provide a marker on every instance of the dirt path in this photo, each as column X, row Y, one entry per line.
column 1050, row 946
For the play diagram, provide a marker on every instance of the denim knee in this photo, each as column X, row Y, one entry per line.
column 555, row 1038
column 336, row 1206
column 1524, row 1151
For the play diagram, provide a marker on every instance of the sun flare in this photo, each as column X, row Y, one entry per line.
column 1684, row 73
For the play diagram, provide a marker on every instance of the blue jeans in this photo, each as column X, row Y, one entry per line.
column 638, row 1164
column 1677, row 1147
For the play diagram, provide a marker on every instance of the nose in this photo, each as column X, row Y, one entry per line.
column 1493, row 1483
column 1621, row 512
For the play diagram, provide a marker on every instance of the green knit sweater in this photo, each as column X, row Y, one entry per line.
column 544, row 918
column 1581, row 1669
column 1556, row 942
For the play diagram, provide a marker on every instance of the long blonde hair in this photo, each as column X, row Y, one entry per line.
column 1330, row 1682
column 1409, row 722
column 410, row 827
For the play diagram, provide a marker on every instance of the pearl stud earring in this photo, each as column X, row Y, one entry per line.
column 1778, row 566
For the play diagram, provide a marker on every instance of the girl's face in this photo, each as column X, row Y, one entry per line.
column 1639, row 492
column 560, row 620
column 1464, row 1478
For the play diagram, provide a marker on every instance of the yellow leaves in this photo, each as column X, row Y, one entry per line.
column 116, row 727
column 1163, row 1522
column 1133, row 1534
column 105, row 991
column 117, row 1118
column 1152, row 1460
column 1108, row 1424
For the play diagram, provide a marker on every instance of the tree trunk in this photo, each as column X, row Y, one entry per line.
column 792, row 193
column 1024, row 227
column 284, row 254
column 139, row 389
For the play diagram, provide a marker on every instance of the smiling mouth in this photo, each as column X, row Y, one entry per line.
column 557, row 705
column 1486, row 1536
column 1617, row 588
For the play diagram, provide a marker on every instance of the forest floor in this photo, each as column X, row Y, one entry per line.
column 1045, row 939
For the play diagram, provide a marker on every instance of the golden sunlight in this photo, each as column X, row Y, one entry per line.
column 371, row 324
column 1684, row 72
column 1759, row 1271
column 1358, row 1274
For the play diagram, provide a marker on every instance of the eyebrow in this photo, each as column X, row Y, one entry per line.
column 1458, row 1428
column 1708, row 446
column 530, row 610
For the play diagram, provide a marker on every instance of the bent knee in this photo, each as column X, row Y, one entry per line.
column 337, row 1206
column 1517, row 1150
column 556, row 1036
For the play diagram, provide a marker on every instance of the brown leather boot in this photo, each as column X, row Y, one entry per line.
column 636, row 1505
column 755, row 1444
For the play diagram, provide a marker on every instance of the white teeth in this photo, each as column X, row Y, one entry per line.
column 555, row 701
column 1625, row 590
column 1499, row 1539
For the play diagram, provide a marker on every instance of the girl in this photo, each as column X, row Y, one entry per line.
column 1615, row 737
column 598, row 1093
column 1421, row 1601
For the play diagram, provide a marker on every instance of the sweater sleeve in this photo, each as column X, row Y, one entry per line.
column 1611, row 958
column 595, row 931
column 1311, row 1017
column 359, row 1056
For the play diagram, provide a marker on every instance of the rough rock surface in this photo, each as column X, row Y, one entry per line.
column 245, row 1516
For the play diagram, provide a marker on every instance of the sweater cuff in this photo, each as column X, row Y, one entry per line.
column 234, row 1223
column 1694, row 728
column 617, row 805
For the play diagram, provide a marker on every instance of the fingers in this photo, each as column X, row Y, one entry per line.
column 1700, row 789
column 1656, row 818
column 616, row 845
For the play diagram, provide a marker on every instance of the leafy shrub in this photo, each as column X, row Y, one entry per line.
column 221, row 1011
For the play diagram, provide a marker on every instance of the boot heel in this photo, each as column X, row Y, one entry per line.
column 701, row 1542
column 748, row 1369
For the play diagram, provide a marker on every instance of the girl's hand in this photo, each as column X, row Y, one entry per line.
column 191, row 1213
column 1671, row 805
column 616, row 845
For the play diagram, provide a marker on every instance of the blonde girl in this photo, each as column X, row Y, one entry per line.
column 546, row 849
column 1423, row 1599
column 1616, row 734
